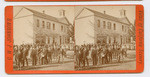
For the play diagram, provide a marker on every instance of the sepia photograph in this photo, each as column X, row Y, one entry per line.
column 74, row 38
column 68, row 0
column 43, row 38
column 105, row 38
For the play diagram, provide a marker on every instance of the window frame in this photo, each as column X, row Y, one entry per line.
column 122, row 27
column 108, row 25
column 53, row 26
column 114, row 26
column 62, row 28
column 38, row 23
column 43, row 24
column 104, row 24
column 98, row 23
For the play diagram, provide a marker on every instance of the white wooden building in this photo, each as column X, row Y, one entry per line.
column 31, row 26
column 92, row 27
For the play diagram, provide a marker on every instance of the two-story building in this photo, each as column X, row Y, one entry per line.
column 92, row 27
column 31, row 26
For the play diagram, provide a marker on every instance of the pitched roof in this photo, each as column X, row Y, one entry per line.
column 63, row 20
column 106, row 16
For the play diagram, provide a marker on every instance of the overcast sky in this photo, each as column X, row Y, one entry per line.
column 72, row 11
column 112, row 10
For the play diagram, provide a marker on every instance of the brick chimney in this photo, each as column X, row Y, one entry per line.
column 62, row 13
column 104, row 12
column 123, row 13
column 43, row 11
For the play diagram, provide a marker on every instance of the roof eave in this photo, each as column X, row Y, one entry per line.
column 113, row 20
column 50, row 19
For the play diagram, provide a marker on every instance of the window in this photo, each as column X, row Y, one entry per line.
column 38, row 23
column 64, row 29
column 61, row 28
column 48, row 40
column 114, row 39
column 122, row 27
column 60, row 39
column 53, row 26
column 43, row 24
column 109, row 40
column 125, row 28
column 65, row 40
column 53, row 40
column 104, row 24
column 114, row 26
column 121, row 39
column 48, row 25
column 37, row 38
column 98, row 23
column 68, row 40
column 109, row 25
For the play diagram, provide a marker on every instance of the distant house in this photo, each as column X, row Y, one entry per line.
column 31, row 26
column 92, row 27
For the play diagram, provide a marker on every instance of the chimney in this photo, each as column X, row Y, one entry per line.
column 104, row 12
column 123, row 13
column 62, row 13
column 43, row 11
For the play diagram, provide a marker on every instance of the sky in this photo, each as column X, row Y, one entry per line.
column 71, row 11
column 51, row 10
column 112, row 10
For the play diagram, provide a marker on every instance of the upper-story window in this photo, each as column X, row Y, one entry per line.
column 114, row 26
column 98, row 23
column 38, row 23
column 48, row 25
column 104, row 24
column 114, row 39
column 125, row 28
column 53, row 40
column 48, row 40
column 62, row 28
column 122, row 27
column 109, row 25
column 66, row 28
column 53, row 26
column 43, row 24
column 109, row 40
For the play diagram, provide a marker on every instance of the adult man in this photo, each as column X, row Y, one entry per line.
column 110, row 53
column 76, row 50
column 85, row 54
column 34, row 55
column 49, row 54
column 94, row 55
column 106, row 55
column 81, row 56
column 63, row 54
column 25, row 54
column 99, row 54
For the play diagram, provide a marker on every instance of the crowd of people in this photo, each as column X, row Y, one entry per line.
column 99, row 54
column 85, row 54
column 37, row 54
